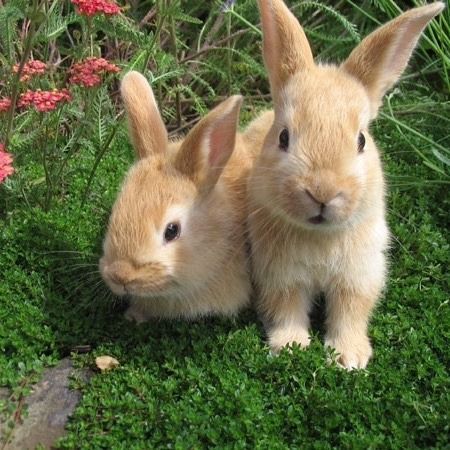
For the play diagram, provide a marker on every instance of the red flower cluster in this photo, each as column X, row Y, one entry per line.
column 91, row 7
column 44, row 101
column 5, row 104
column 30, row 69
column 87, row 73
column 6, row 168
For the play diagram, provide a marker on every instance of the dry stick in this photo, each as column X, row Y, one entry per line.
column 148, row 17
column 217, row 46
column 173, row 36
column 159, row 25
column 206, row 45
column 229, row 55
column 184, row 126
column 192, row 122
column 206, row 48
column 219, row 98
column 16, row 415
column 214, row 29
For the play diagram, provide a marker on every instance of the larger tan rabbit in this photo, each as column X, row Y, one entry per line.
column 176, row 236
column 317, row 212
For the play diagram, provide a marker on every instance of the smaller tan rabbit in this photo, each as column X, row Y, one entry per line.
column 317, row 213
column 176, row 236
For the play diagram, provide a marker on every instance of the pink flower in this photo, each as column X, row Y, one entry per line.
column 5, row 104
column 6, row 168
column 44, row 101
column 30, row 69
column 87, row 73
column 91, row 7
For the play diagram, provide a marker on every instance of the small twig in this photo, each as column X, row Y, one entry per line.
column 148, row 17
column 157, row 36
column 173, row 35
column 214, row 29
column 205, row 47
column 216, row 46
column 17, row 415
column 219, row 98
column 18, row 411
column 184, row 126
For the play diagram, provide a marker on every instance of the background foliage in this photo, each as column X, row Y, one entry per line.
column 211, row 383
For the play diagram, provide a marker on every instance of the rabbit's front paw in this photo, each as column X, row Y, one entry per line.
column 351, row 352
column 282, row 336
column 135, row 314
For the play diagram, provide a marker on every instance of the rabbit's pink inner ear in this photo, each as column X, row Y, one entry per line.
column 208, row 146
column 221, row 143
column 380, row 59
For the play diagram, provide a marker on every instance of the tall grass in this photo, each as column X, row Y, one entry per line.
column 427, row 117
column 194, row 54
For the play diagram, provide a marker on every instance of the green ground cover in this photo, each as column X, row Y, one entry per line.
column 212, row 383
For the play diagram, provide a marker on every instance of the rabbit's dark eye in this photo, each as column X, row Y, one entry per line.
column 284, row 140
column 172, row 232
column 361, row 143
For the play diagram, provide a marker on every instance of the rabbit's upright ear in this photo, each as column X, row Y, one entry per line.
column 285, row 46
column 208, row 146
column 147, row 130
column 380, row 59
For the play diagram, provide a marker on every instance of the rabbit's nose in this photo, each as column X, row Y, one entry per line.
column 314, row 199
column 120, row 273
column 322, row 201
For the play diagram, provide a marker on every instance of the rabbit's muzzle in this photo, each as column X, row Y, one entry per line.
column 124, row 277
column 317, row 203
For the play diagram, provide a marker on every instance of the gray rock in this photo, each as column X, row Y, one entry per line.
column 48, row 408
column 4, row 393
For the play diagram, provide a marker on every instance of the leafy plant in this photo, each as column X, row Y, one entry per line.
column 211, row 383
column 433, row 69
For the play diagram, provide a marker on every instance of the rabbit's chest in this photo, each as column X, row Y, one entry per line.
column 316, row 263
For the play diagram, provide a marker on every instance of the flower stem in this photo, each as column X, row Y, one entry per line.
column 32, row 32
column 98, row 158
column 48, row 179
column 90, row 36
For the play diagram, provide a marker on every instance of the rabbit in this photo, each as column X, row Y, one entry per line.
column 175, row 242
column 317, row 192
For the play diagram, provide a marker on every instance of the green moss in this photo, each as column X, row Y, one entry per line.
column 212, row 383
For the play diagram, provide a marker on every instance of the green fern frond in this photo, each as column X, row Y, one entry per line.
column 212, row 68
column 57, row 24
column 9, row 16
column 199, row 104
column 182, row 17
column 101, row 110
column 325, row 37
column 24, row 142
column 330, row 11
column 118, row 27
column 254, row 66
column 202, row 82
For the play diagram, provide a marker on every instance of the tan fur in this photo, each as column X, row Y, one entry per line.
column 381, row 58
column 146, row 128
column 323, row 177
column 280, row 27
column 199, row 181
